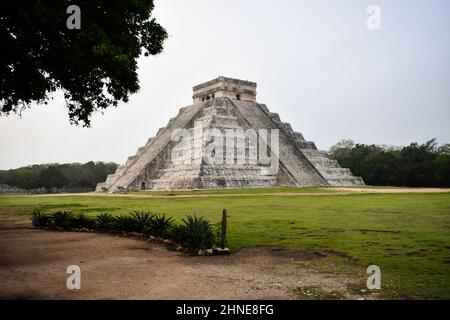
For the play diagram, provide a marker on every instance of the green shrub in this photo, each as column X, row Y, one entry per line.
column 160, row 225
column 81, row 221
column 142, row 221
column 41, row 219
column 62, row 219
column 124, row 223
column 194, row 234
column 104, row 221
column 177, row 233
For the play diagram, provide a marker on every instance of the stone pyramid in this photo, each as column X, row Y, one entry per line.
column 225, row 104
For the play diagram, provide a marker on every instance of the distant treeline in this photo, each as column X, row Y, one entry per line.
column 416, row 165
column 51, row 177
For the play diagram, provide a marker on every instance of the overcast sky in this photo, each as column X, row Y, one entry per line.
column 316, row 64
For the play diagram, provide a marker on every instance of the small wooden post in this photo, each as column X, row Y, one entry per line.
column 224, row 228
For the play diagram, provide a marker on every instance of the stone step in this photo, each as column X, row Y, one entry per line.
column 172, row 181
column 171, row 120
column 329, row 168
column 160, row 130
column 306, row 145
column 140, row 151
column 275, row 117
column 315, row 153
column 346, row 182
column 287, row 126
column 109, row 178
column 216, row 110
column 299, row 136
column 149, row 141
column 218, row 119
column 130, row 160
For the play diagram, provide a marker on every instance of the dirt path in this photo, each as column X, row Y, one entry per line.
column 325, row 192
column 33, row 266
column 391, row 190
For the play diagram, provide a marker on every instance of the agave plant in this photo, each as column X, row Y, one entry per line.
column 160, row 225
column 143, row 221
column 81, row 221
column 62, row 219
column 104, row 221
column 196, row 233
column 40, row 219
column 124, row 223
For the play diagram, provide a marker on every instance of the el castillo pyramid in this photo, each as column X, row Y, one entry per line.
column 226, row 104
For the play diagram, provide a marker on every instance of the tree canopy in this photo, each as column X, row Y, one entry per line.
column 71, row 176
column 416, row 165
column 95, row 66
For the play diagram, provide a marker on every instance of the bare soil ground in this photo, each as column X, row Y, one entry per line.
column 391, row 190
column 33, row 265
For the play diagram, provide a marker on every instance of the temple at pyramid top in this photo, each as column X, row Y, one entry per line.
column 225, row 87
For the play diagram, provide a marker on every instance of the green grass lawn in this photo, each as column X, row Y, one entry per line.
column 238, row 191
column 407, row 235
